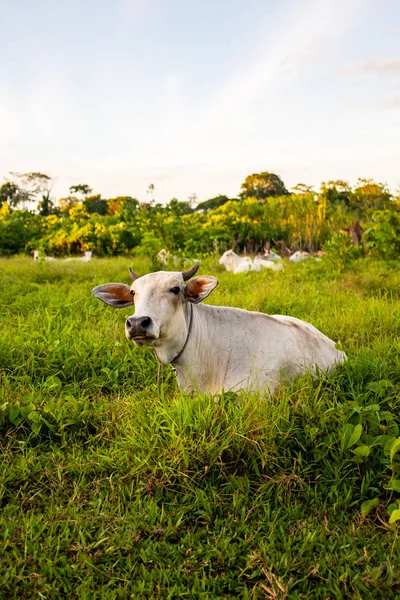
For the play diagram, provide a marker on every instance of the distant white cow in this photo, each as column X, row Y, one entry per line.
column 242, row 264
column 38, row 256
column 88, row 255
column 300, row 255
column 260, row 262
column 163, row 256
column 272, row 256
column 216, row 348
column 235, row 263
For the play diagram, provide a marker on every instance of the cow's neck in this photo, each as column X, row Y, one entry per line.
column 168, row 350
column 200, row 364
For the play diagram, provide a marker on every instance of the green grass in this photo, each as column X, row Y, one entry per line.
column 109, row 491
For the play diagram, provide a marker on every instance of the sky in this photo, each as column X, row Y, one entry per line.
column 192, row 96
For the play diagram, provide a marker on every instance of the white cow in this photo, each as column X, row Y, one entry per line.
column 216, row 348
column 263, row 263
column 88, row 255
column 163, row 256
column 272, row 256
column 235, row 263
column 238, row 264
column 300, row 255
column 38, row 256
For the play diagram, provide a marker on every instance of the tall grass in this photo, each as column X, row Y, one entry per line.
column 112, row 490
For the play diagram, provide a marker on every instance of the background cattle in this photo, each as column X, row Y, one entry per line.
column 242, row 264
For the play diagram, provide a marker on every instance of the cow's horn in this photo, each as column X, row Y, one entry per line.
column 133, row 274
column 190, row 272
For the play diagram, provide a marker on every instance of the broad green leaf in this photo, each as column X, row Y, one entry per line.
column 369, row 505
column 395, row 516
column 394, row 448
column 34, row 416
column 346, row 435
column 13, row 412
column 36, row 426
column 362, row 450
column 394, row 484
column 381, row 439
column 388, row 445
column 355, row 436
column 26, row 409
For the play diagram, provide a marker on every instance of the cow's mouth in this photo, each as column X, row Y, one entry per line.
column 142, row 340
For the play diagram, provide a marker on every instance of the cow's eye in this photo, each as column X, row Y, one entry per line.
column 175, row 290
column 132, row 292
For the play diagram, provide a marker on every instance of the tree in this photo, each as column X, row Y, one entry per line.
column 151, row 190
column 336, row 191
column 95, row 204
column 67, row 203
column 178, row 208
column 81, row 188
column 10, row 193
column 263, row 185
column 368, row 194
column 125, row 206
column 30, row 185
column 302, row 188
column 192, row 200
column 213, row 203
column 46, row 205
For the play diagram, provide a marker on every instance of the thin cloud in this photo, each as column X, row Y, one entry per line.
column 393, row 103
column 372, row 67
column 297, row 39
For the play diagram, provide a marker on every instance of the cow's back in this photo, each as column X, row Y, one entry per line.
column 232, row 348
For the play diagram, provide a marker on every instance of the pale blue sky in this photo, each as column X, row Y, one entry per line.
column 195, row 95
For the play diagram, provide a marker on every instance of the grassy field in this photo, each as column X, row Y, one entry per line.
column 110, row 490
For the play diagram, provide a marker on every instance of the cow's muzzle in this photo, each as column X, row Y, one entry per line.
column 138, row 329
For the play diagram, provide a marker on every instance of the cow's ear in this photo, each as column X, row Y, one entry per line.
column 117, row 295
column 200, row 287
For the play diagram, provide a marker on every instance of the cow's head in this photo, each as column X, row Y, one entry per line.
column 226, row 258
column 159, row 300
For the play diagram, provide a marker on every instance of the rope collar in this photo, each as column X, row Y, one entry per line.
column 173, row 361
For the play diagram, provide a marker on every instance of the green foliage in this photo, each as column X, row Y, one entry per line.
column 371, row 438
column 383, row 237
column 337, row 192
column 264, row 214
column 46, row 206
column 124, row 206
column 149, row 247
column 369, row 194
column 340, row 250
column 213, row 203
column 18, row 229
column 178, row 208
column 263, row 185
column 10, row 193
column 95, row 204
column 81, row 188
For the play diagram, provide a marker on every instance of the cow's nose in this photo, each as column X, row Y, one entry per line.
column 138, row 325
